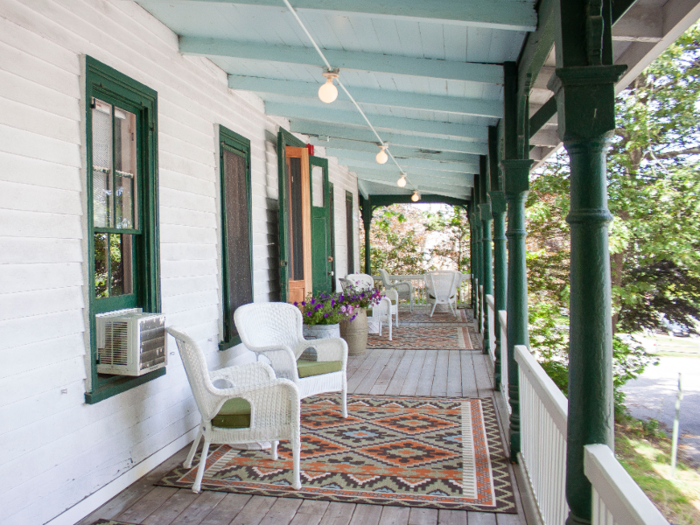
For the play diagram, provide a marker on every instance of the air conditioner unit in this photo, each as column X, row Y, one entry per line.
column 130, row 342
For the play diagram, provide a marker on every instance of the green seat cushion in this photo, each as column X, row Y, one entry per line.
column 234, row 414
column 317, row 368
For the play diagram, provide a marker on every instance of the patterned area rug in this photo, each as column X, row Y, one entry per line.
column 111, row 522
column 423, row 338
column 403, row 451
column 422, row 315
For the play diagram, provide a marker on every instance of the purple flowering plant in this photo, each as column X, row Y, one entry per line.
column 323, row 308
column 358, row 297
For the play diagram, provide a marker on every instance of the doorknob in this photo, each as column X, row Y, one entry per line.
column 330, row 258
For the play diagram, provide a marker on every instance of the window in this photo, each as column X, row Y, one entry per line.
column 122, row 206
column 236, row 229
column 349, row 228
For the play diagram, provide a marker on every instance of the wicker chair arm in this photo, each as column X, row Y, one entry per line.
column 401, row 284
column 273, row 403
column 332, row 349
column 282, row 360
column 248, row 374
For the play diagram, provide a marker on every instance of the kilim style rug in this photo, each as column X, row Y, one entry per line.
column 422, row 315
column 439, row 453
column 423, row 338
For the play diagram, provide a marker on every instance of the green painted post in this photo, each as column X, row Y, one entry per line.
column 498, row 208
column 516, row 173
column 479, row 267
column 584, row 86
column 472, row 257
column 486, row 247
column 367, row 221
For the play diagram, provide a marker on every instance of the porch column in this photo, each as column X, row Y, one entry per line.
column 479, row 267
column 486, row 247
column 498, row 209
column 516, row 173
column 586, row 105
column 367, row 221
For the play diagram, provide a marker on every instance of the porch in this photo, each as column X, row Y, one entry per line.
column 426, row 373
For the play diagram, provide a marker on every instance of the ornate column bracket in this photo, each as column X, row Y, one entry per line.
column 498, row 210
column 586, row 102
column 487, row 265
column 517, row 172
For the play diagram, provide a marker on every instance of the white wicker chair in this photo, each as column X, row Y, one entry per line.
column 404, row 288
column 388, row 306
column 253, row 405
column 275, row 330
column 441, row 288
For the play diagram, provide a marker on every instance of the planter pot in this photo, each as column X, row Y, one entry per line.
column 355, row 333
column 321, row 331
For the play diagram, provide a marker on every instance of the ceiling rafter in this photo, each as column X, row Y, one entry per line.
column 358, row 158
column 351, row 60
column 378, row 97
column 509, row 15
column 399, row 151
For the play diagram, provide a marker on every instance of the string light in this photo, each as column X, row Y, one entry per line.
column 416, row 196
column 402, row 181
column 382, row 157
column 328, row 92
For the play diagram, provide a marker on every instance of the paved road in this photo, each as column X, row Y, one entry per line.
column 654, row 395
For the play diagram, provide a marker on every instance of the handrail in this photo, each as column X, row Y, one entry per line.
column 543, row 418
column 617, row 499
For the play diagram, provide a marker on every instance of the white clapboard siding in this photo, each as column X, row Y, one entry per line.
column 53, row 439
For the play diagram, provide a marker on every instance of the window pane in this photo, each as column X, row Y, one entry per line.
column 101, row 266
column 121, row 265
column 124, row 168
column 317, row 187
column 102, row 163
column 237, row 231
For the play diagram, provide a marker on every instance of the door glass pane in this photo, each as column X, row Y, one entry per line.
column 101, row 266
column 296, row 225
column 124, row 168
column 121, row 265
column 317, row 187
column 237, row 231
column 102, row 163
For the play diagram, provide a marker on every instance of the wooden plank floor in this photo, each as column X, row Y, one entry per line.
column 402, row 372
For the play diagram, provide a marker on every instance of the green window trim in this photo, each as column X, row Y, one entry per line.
column 105, row 83
column 350, row 227
column 238, row 144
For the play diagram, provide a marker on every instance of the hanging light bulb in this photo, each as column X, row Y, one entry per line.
column 416, row 196
column 382, row 157
column 402, row 181
column 328, row 92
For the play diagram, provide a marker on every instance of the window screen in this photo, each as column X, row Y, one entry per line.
column 239, row 278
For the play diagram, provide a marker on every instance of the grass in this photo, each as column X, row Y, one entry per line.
column 645, row 452
column 666, row 345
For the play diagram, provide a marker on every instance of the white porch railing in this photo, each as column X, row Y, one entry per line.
column 491, row 316
column 543, row 413
column 617, row 499
column 503, row 318
column 481, row 310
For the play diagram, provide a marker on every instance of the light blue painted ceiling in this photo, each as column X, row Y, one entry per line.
column 428, row 74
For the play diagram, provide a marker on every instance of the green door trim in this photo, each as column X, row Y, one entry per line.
column 320, row 263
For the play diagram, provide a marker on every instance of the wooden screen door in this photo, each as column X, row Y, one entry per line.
column 299, row 224
column 321, row 254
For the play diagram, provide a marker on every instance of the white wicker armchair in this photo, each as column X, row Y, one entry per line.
column 404, row 288
column 441, row 288
column 388, row 306
column 247, row 404
column 275, row 330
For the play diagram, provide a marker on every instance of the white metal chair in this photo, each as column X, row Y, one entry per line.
column 404, row 288
column 275, row 330
column 239, row 404
column 388, row 306
column 441, row 288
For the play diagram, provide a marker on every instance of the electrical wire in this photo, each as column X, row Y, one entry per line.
column 328, row 65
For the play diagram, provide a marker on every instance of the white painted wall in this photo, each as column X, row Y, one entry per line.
column 56, row 450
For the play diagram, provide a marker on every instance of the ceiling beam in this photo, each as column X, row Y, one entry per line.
column 417, row 182
column 359, row 158
column 325, row 130
column 379, row 97
column 508, row 15
column 392, row 173
column 353, row 118
column 398, row 151
column 388, row 200
column 356, row 60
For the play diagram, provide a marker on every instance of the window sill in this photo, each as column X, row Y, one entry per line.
column 120, row 385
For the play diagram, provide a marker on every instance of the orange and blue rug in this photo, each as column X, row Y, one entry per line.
column 407, row 337
column 444, row 453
